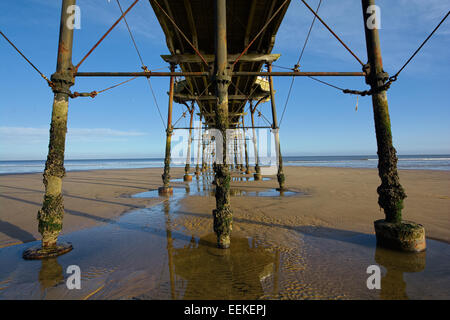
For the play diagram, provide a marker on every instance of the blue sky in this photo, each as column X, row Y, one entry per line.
column 124, row 122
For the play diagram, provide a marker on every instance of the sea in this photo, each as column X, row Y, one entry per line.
column 406, row 162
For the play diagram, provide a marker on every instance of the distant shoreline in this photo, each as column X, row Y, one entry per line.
column 406, row 162
column 368, row 156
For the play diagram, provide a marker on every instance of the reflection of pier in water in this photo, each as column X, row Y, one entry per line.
column 118, row 262
column 393, row 286
column 212, row 273
column 205, row 187
column 51, row 273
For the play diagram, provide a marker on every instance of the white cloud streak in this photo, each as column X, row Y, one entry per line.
column 10, row 135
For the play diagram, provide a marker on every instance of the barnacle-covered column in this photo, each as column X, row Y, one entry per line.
column 197, row 167
column 188, row 177
column 235, row 153
column 241, row 151
column 257, row 174
column 247, row 168
column 280, row 174
column 203, row 152
column 222, row 214
column 391, row 232
column 166, row 189
column 50, row 217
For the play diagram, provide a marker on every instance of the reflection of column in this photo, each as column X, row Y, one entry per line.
column 275, row 273
column 204, row 182
column 203, row 267
column 170, row 249
column 51, row 273
column 393, row 286
column 198, row 183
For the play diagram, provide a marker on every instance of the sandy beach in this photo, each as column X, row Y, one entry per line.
column 132, row 244
column 342, row 199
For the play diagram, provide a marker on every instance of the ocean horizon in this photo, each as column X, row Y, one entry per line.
column 406, row 162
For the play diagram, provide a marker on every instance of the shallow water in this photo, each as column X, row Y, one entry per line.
column 233, row 192
column 203, row 187
column 148, row 254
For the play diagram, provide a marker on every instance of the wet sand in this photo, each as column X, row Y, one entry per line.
column 343, row 199
column 90, row 198
column 313, row 243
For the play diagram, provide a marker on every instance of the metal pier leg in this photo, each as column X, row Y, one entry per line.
column 222, row 214
column 391, row 232
column 280, row 175
column 50, row 216
column 166, row 189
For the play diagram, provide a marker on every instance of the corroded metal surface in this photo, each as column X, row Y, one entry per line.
column 39, row 252
column 50, row 216
column 223, row 215
column 391, row 192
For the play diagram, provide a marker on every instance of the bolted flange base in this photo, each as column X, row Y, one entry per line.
column 403, row 236
column 38, row 252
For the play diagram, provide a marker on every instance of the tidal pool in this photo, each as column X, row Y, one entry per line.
column 203, row 187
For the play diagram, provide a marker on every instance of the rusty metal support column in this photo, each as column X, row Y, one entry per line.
column 222, row 214
column 257, row 174
column 166, row 189
column 208, row 154
column 197, row 168
column 235, row 153
column 280, row 174
column 247, row 168
column 241, row 152
column 391, row 232
column 203, row 152
column 50, row 217
column 188, row 177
